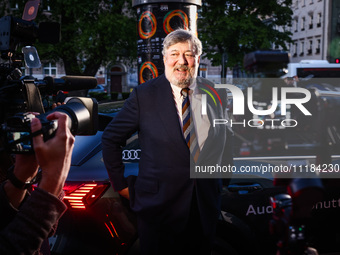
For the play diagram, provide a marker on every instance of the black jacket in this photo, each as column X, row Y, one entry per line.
column 23, row 231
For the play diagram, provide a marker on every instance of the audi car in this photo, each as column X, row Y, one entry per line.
column 255, row 215
column 98, row 220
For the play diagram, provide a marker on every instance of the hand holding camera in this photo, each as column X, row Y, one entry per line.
column 54, row 155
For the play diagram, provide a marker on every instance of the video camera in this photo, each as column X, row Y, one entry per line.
column 21, row 95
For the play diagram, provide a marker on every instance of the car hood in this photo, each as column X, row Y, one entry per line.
column 86, row 147
column 87, row 160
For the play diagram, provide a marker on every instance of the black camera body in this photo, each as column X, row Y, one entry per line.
column 21, row 96
column 18, row 135
column 16, row 114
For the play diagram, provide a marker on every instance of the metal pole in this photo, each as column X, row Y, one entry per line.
column 156, row 19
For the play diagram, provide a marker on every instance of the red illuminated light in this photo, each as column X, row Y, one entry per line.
column 81, row 195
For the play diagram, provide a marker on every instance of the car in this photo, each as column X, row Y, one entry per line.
column 100, row 221
column 98, row 89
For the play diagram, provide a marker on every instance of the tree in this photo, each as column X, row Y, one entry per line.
column 93, row 33
column 234, row 28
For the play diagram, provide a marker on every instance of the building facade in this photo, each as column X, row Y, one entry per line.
column 316, row 30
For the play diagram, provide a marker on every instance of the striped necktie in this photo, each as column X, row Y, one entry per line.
column 188, row 125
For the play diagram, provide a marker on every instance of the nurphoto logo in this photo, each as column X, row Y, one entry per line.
column 301, row 96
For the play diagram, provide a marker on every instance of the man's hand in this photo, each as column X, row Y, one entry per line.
column 54, row 155
column 124, row 193
column 25, row 169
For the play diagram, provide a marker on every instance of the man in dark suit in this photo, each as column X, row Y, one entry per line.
column 177, row 214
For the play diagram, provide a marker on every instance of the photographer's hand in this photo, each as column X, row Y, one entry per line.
column 54, row 155
column 25, row 169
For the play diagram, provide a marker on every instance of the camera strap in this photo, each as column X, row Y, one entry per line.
column 34, row 102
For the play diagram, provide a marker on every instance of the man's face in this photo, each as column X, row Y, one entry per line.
column 181, row 64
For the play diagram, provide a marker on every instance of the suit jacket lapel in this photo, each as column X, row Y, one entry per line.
column 167, row 112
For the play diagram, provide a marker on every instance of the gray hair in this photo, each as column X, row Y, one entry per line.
column 181, row 36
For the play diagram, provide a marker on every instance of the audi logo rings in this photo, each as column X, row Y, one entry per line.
column 131, row 154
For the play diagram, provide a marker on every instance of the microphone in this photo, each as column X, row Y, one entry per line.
column 79, row 82
column 70, row 83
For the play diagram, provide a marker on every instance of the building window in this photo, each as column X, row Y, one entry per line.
column 50, row 69
column 302, row 48
column 311, row 21
column 303, row 21
column 318, row 24
column 295, row 47
column 311, row 1
column 303, row 3
column 296, row 25
column 310, row 48
column 318, row 46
